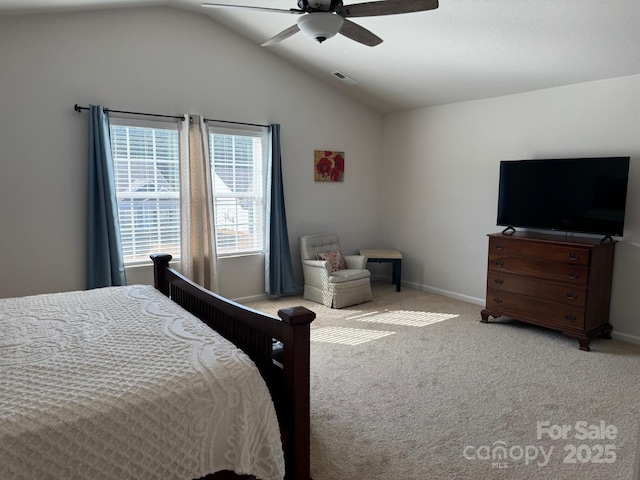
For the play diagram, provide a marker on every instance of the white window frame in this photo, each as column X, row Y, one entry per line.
column 173, row 247
column 260, row 197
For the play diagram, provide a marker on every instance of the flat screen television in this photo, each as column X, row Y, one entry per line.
column 582, row 195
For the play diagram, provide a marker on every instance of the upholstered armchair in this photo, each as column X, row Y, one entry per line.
column 330, row 278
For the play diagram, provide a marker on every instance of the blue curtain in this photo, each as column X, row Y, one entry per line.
column 105, row 265
column 279, row 277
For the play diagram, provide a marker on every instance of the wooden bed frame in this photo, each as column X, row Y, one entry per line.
column 278, row 346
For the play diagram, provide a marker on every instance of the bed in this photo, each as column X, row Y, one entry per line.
column 140, row 382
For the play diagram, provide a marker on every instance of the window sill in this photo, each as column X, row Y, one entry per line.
column 148, row 263
column 241, row 255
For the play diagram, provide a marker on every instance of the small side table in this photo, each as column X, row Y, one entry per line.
column 386, row 256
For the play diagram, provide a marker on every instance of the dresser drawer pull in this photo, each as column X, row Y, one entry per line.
column 571, row 296
column 499, row 281
column 500, row 263
column 574, row 256
column 573, row 275
column 500, row 246
column 498, row 300
column 569, row 318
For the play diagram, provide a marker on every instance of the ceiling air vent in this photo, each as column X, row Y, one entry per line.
column 344, row 78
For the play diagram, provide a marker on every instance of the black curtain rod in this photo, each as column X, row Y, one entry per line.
column 78, row 108
column 236, row 123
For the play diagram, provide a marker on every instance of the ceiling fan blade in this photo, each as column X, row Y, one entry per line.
column 389, row 7
column 260, row 9
column 359, row 34
column 292, row 30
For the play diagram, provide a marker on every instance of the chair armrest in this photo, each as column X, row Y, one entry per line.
column 356, row 262
column 316, row 272
column 317, row 264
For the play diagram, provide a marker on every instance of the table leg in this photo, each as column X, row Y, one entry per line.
column 393, row 272
column 396, row 269
column 397, row 274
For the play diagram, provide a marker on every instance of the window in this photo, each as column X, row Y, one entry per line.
column 147, row 177
column 146, row 165
column 238, row 182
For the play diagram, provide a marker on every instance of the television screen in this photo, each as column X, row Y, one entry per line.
column 585, row 195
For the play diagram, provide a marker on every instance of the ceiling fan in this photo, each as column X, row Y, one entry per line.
column 322, row 19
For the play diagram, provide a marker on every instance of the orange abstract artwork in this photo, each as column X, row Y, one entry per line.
column 328, row 166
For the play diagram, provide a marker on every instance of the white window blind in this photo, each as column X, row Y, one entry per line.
column 146, row 161
column 238, row 173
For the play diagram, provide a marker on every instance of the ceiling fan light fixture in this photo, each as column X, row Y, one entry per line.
column 320, row 25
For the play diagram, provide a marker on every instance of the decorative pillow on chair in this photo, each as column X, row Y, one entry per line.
column 335, row 258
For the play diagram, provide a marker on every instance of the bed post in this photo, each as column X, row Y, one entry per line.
column 160, row 265
column 297, row 385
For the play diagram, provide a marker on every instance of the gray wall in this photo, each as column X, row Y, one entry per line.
column 445, row 180
column 423, row 181
column 168, row 61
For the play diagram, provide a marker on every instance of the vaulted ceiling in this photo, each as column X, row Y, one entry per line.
column 463, row 50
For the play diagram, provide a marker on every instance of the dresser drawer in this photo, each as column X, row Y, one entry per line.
column 553, row 281
column 556, row 292
column 534, row 310
column 559, row 272
column 543, row 251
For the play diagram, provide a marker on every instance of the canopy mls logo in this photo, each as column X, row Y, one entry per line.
column 583, row 431
column 499, row 453
column 597, row 446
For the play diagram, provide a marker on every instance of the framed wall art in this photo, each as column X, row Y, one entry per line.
column 328, row 166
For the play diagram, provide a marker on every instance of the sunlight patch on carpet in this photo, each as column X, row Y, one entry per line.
column 404, row 317
column 346, row 336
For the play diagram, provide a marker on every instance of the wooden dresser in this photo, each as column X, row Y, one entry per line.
column 557, row 282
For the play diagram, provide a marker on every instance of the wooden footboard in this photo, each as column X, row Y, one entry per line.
column 278, row 346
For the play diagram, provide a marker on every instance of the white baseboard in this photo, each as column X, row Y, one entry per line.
column 251, row 298
column 447, row 293
column 444, row 293
column 258, row 298
column 625, row 337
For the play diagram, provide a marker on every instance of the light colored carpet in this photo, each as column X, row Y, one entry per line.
column 412, row 386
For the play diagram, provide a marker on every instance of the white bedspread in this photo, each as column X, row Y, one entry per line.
column 121, row 383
